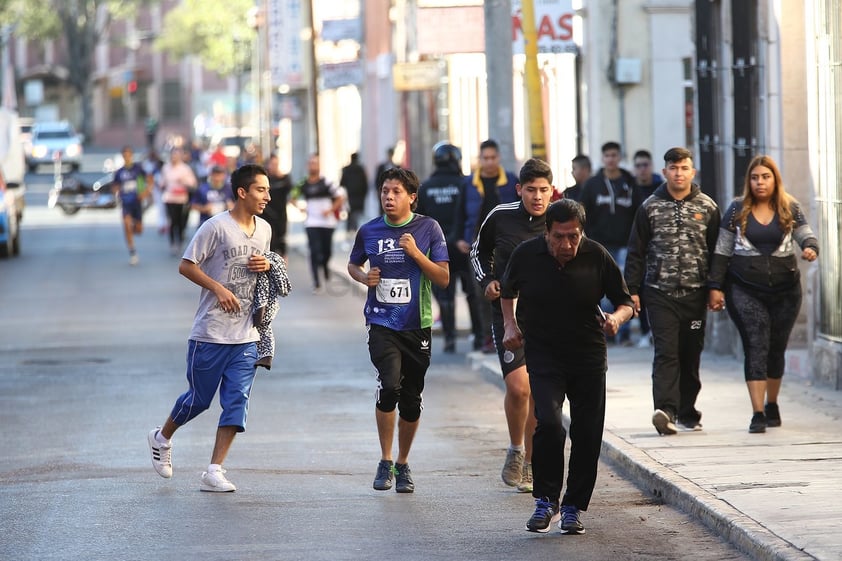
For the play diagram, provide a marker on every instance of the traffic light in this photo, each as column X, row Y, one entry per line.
column 131, row 87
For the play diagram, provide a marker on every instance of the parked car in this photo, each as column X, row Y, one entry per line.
column 12, row 188
column 52, row 141
column 11, row 212
column 233, row 141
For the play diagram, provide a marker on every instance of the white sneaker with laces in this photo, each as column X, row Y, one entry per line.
column 216, row 482
column 161, row 454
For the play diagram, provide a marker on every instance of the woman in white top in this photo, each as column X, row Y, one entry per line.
column 178, row 179
column 324, row 200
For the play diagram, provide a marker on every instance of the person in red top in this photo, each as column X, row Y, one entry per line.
column 218, row 157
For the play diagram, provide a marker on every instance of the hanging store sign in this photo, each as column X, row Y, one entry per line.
column 553, row 23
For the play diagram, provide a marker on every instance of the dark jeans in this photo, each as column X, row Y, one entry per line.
column 320, row 241
column 678, row 331
column 585, row 389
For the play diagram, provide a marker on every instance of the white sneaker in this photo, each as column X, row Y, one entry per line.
column 134, row 259
column 161, row 454
column 644, row 342
column 216, row 482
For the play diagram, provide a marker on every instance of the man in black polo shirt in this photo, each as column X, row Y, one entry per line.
column 559, row 279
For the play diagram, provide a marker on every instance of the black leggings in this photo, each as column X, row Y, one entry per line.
column 764, row 320
column 177, row 214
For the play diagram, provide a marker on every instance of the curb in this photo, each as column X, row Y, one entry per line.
column 730, row 524
column 743, row 532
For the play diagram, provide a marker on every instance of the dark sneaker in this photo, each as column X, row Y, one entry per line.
column 546, row 512
column 403, row 479
column 513, row 467
column 758, row 422
column 570, row 523
column 689, row 424
column 663, row 422
column 385, row 472
column 773, row 415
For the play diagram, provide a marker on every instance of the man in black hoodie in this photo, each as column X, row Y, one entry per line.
column 611, row 198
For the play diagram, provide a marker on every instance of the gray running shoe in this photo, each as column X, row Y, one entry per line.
column 525, row 485
column 513, row 468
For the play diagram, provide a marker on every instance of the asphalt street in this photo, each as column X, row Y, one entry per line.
column 93, row 354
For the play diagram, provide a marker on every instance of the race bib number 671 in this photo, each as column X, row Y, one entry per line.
column 394, row 291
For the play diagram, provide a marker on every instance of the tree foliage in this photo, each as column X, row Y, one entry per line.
column 215, row 31
column 81, row 24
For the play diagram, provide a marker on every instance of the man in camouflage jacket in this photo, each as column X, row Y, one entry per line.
column 671, row 242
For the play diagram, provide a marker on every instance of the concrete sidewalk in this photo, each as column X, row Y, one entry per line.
column 777, row 495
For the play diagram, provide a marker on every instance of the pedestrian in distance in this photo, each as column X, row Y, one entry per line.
column 505, row 227
column 490, row 184
column 644, row 174
column 670, row 246
column 558, row 279
column 324, row 200
column 280, row 187
column 132, row 186
column 355, row 182
column 754, row 273
column 406, row 254
column 439, row 197
column 213, row 196
column 611, row 199
column 581, row 171
column 224, row 259
column 388, row 163
column 179, row 180
column 647, row 182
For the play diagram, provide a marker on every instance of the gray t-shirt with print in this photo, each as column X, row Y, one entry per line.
column 222, row 249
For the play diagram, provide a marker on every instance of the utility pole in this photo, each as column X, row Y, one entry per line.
column 533, row 81
column 499, row 71
column 314, row 78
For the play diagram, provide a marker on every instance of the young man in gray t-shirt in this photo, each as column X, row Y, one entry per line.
column 223, row 258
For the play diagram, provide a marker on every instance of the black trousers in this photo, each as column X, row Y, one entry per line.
column 446, row 297
column 584, row 387
column 678, row 331
column 320, row 241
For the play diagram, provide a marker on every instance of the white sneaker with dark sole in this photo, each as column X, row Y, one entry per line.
column 161, row 454
column 216, row 482
column 663, row 423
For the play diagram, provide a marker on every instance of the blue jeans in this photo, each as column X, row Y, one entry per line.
column 619, row 255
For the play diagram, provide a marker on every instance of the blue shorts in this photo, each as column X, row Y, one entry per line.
column 212, row 366
column 134, row 209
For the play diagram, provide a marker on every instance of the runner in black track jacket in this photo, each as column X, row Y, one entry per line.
column 505, row 227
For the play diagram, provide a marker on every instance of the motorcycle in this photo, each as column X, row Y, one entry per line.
column 71, row 193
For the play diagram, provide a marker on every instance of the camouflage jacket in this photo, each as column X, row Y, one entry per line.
column 671, row 242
